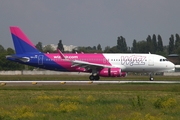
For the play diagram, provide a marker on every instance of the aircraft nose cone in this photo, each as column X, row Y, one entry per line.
column 173, row 67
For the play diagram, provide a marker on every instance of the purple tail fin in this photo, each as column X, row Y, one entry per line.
column 21, row 42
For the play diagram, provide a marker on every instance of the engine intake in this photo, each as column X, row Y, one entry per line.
column 112, row 72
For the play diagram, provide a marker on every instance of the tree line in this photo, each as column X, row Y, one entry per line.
column 152, row 44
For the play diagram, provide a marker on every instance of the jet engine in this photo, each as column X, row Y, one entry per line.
column 112, row 72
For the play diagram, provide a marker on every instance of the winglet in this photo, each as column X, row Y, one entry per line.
column 61, row 54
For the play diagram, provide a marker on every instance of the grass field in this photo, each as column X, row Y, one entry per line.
column 90, row 102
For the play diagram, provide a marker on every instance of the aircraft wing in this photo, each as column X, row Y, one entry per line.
column 89, row 65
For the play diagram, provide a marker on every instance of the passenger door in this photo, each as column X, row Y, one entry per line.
column 40, row 59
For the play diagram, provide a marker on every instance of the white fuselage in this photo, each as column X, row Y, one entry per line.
column 140, row 62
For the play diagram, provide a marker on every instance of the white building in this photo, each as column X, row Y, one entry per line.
column 69, row 48
column 66, row 47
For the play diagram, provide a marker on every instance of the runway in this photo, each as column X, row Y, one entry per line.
column 30, row 83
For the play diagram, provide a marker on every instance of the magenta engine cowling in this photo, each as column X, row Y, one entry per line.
column 112, row 72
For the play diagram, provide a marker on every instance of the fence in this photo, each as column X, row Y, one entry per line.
column 44, row 72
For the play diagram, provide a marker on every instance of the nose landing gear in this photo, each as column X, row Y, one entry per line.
column 151, row 77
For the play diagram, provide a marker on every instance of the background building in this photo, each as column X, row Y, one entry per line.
column 68, row 48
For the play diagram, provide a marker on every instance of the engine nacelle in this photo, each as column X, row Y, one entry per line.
column 112, row 72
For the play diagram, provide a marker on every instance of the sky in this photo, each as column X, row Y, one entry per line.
column 89, row 22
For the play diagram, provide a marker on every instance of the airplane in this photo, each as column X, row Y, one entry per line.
column 98, row 64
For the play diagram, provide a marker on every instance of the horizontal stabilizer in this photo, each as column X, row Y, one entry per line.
column 23, row 59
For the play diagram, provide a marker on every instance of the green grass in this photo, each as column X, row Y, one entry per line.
column 91, row 102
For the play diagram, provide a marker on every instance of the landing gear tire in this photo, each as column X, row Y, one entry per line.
column 151, row 79
column 96, row 77
column 91, row 77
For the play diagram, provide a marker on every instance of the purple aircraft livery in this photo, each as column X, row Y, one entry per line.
column 98, row 64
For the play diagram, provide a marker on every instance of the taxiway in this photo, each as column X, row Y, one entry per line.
column 27, row 83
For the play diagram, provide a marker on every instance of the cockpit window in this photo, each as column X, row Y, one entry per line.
column 163, row 60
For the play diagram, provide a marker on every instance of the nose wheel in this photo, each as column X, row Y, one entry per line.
column 151, row 77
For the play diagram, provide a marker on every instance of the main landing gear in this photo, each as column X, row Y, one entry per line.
column 92, row 77
column 151, row 77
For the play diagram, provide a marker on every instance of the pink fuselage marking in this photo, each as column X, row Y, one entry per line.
column 92, row 58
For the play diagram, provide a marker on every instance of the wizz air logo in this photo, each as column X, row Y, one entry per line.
column 133, row 60
column 69, row 57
